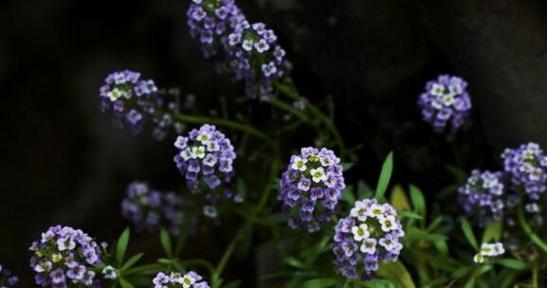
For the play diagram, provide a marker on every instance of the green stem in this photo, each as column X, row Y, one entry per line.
column 284, row 106
column 144, row 269
column 529, row 232
column 220, row 122
column 317, row 113
column 535, row 275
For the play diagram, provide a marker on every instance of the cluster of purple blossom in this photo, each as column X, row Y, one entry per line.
column 251, row 50
column 131, row 100
column 7, row 280
column 445, row 103
column 211, row 21
column 370, row 234
column 483, row 196
column 311, row 187
column 148, row 209
column 205, row 158
column 177, row 280
column 65, row 256
column 526, row 167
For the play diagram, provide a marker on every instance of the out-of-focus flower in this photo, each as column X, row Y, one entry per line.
column 205, row 158
column 177, row 280
column 488, row 250
column 109, row 272
column 7, row 280
column 211, row 21
column 526, row 167
column 370, row 234
column 64, row 256
column 148, row 209
column 483, row 196
column 133, row 101
column 445, row 103
column 311, row 187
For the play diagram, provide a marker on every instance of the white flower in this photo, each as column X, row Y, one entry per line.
column 204, row 138
column 376, row 210
column 437, row 90
column 186, row 154
column 247, row 45
column 299, row 164
column 65, row 244
column 198, row 152
column 318, row 174
column 448, row 100
column 109, row 272
column 360, row 232
column 478, row 258
column 388, row 223
column 359, row 212
column 455, row 89
column 187, row 281
column 369, row 246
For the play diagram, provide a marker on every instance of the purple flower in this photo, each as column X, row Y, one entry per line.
column 65, row 255
column 483, row 196
column 311, row 187
column 211, row 22
column 177, row 280
column 445, row 103
column 370, row 234
column 526, row 166
column 149, row 209
column 133, row 101
column 256, row 58
column 7, row 280
column 205, row 158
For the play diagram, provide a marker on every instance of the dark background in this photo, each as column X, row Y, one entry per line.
column 63, row 162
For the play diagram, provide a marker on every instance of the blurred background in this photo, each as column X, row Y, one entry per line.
column 63, row 161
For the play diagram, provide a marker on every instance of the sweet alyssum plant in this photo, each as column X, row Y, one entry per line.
column 347, row 234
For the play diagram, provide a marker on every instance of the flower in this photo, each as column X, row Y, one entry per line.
column 445, row 103
column 483, row 196
column 147, row 209
column 369, row 234
column 488, row 250
column 211, row 21
column 526, row 167
column 176, row 280
column 109, row 273
column 65, row 255
column 311, row 187
column 256, row 58
column 133, row 101
column 7, row 280
column 205, row 158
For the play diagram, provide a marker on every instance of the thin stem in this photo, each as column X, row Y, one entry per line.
column 221, row 122
column 144, row 269
column 317, row 112
column 535, row 275
column 529, row 232
column 284, row 106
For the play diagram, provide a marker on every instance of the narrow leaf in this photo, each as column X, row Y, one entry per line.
column 468, row 232
column 385, row 176
column 418, row 200
column 121, row 246
column 134, row 259
column 125, row 284
column 492, row 231
column 347, row 196
column 399, row 200
column 396, row 272
column 512, row 263
column 166, row 243
column 320, row 283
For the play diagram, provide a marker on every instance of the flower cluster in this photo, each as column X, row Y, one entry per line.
column 148, row 209
column 205, row 158
column 527, row 166
column 311, row 187
column 211, row 21
column 370, row 234
column 131, row 100
column 177, row 280
column 65, row 255
column 482, row 195
column 488, row 250
column 7, row 280
column 445, row 102
column 256, row 58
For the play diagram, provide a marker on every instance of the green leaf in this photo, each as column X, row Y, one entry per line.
column 408, row 214
column 399, row 200
column 125, row 284
column 291, row 261
column 396, row 272
column 418, row 200
column 134, row 259
column 347, row 196
column 468, row 232
column 385, row 176
column 379, row 283
column 347, row 165
column 320, row 283
column 121, row 246
column 165, row 240
column 512, row 263
column 492, row 231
